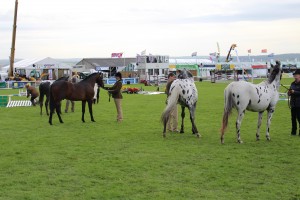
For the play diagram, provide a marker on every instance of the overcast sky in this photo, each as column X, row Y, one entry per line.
column 97, row 28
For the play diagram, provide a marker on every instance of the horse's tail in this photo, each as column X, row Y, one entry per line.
column 228, row 105
column 51, row 101
column 171, row 103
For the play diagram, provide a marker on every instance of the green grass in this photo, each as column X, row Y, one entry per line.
column 131, row 160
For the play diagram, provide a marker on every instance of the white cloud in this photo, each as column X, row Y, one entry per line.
column 96, row 28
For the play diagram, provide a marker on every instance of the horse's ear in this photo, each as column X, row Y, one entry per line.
column 272, row 66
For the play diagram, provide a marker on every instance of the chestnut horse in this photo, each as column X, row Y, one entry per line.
column 82, row 91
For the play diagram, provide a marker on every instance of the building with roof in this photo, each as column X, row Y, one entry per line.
column 108, row 65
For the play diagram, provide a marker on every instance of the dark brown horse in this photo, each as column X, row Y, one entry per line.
column 45, row 90
column 82, row 91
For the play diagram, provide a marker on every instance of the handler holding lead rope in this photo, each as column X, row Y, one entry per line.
column 115, row 91
column 294, row 93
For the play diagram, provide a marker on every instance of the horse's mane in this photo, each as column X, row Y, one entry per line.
column 185, row 74
column 63, row 78
column 274, row 72
column 90, row 76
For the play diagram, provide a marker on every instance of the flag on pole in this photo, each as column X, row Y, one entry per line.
column 116, row 55
column 143, row 52
column 249, row 50
column 264, row 51
column 194, row 53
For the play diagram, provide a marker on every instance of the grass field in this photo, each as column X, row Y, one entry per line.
column 131, row 160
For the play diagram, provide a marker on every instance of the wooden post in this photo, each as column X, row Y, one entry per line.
column 12, row 52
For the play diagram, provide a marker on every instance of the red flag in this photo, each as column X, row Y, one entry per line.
column 116, row 55
column 264, row 51
column 249, row 50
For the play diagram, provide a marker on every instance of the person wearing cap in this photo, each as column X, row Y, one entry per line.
column 33, row 92
column 115, row 91
column 294, row 93
column 173, row 118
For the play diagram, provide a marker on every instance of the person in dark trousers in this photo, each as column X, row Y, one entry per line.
column 294, row 93
column 115, row 91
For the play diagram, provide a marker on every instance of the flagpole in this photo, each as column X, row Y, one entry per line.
column 13, row 43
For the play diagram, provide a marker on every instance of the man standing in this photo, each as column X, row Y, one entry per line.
column 173, row 118
column 294, row 92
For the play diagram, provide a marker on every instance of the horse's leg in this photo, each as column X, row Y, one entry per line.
column 50, row 117
column 239, row 119
column 46, row 105
column 270, row 114
column 51, row 114
column 83, row 110
column 41, row 105
column 58, row 111
column 182, row 119
column 90, row 104
column 192, row 117
column 260, row 114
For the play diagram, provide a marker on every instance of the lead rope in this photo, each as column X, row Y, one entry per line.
column 288, row 101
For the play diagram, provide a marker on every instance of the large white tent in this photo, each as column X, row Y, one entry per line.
column 41, row 65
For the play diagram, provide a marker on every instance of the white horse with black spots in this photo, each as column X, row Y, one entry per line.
column 184, row 92
column 253, row 97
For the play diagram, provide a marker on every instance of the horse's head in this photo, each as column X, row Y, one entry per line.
column 275, row 72
column 99, row 80
column 185, row 74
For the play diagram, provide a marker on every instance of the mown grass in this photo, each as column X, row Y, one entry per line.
column 131, row 160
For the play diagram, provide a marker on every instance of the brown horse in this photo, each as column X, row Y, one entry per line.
column 82, row 91
column 45, row 90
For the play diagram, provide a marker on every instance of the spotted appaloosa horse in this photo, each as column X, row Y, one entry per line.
column 253, row 97
column 184, row 92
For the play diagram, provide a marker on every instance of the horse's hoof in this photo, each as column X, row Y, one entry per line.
column 240, row 141
column 93, row 120
column 164, row 135
column 181, row 131
column 268, row 138
column 61, row 122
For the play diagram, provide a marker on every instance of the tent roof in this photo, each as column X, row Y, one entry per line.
column 29, row 62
